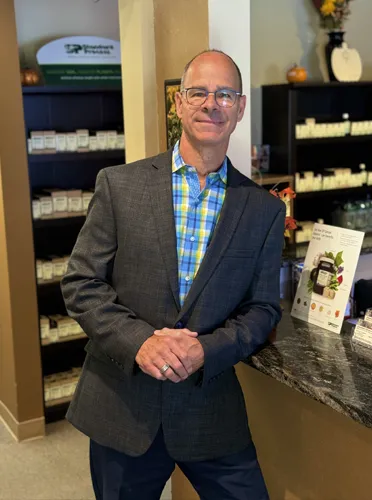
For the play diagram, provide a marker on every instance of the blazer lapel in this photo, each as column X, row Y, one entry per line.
column 160, row 188
column 235, row 201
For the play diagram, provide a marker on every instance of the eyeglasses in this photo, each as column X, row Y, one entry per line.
column 225, row 98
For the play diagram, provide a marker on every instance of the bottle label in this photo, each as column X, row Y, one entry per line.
column 324, row 278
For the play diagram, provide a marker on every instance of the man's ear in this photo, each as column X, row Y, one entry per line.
column 179, row 104
column 242, row 105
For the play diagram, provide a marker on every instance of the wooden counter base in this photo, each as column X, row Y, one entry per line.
column 307, row 451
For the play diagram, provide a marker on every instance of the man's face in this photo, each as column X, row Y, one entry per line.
column 209, row 123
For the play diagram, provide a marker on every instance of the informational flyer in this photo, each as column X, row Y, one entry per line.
column 327, row 277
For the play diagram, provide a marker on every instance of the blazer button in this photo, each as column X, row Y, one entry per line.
column 179, row 324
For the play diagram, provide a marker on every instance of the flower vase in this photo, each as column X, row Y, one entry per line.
column 336, row 39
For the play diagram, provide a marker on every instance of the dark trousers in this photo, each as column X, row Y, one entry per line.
column 117, row 476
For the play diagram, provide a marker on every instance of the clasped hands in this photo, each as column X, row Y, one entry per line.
column 179, row 349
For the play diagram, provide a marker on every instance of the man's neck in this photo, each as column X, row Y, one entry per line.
column 205, row 159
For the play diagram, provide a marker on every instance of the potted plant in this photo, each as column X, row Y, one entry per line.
column 333, row 14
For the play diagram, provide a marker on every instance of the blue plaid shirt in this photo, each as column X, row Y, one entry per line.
column 196, row 214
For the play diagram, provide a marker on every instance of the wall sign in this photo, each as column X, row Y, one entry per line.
column 327, row 277
column 81, row 60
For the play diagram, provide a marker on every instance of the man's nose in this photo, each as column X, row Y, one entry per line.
column 210, row 102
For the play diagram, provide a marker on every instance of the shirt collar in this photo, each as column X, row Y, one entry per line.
column 178, row 163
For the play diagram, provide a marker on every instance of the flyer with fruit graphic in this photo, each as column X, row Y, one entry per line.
column 327, row 277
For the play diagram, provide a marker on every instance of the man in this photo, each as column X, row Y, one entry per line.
column 175, row 279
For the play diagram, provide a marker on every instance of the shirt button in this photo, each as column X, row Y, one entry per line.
column 187, row 278
column 192, row 238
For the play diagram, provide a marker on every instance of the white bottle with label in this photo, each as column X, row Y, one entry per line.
column 363, row 174
column 347, row 124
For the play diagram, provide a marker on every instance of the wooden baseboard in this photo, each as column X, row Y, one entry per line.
column 22, row 431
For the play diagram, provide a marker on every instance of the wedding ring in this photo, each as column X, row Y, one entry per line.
column 164, row 368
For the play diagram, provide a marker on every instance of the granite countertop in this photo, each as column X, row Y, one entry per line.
column 322, row 365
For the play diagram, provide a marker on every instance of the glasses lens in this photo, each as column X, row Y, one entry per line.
column 196, row 97
column 225, row 98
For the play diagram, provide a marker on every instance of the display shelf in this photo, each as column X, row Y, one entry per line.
column 285, row 106
column 111, row 154
column 352, row 191
column 60, row 89
column 58, row 402
column 66, row 109
column 59, row 222
column 56, row 409
column 46, row 342
column 272, row 179
column 349, row 139
column 54, row 281
column 320, row 84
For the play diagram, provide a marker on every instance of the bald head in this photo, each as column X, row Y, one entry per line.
column 206, row 54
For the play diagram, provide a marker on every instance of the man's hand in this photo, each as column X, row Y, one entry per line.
column 188, row 342
column 177, row 348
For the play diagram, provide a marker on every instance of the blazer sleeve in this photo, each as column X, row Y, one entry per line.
column 250, row 325
column 87, row 291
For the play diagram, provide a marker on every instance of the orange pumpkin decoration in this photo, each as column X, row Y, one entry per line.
column 29, row 77
column 296, row 74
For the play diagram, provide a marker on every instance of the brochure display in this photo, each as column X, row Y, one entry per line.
column 327, row 277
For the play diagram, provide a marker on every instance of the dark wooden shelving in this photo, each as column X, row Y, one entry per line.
column 57, row 402
column 349, row 139
column 66, row 109
column 351, row 191
column 114, row 154
column 58, row 89
column 272, row 179
column 62, row 356
column 56, row 409
column 286, row 105
column 59, row 222
column 53, row 282
column 319, row 84
column 71, row 338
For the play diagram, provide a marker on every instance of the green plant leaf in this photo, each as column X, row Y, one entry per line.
column 330, row 255
column 339, row 260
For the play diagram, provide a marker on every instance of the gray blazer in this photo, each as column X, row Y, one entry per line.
column 122, row 284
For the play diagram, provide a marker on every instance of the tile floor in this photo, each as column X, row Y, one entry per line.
column 53, row 468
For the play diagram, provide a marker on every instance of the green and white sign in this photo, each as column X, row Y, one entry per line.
column 81, row 60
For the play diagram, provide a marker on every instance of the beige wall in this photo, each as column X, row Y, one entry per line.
column 137, row 44
column 20, row 367
column 39, row 21
column 286, row 32
column 181, row 31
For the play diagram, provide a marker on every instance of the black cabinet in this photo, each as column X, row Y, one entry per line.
column 66, row 110
column 285, row 106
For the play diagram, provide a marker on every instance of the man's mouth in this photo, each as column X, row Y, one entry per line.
column 211, row 122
